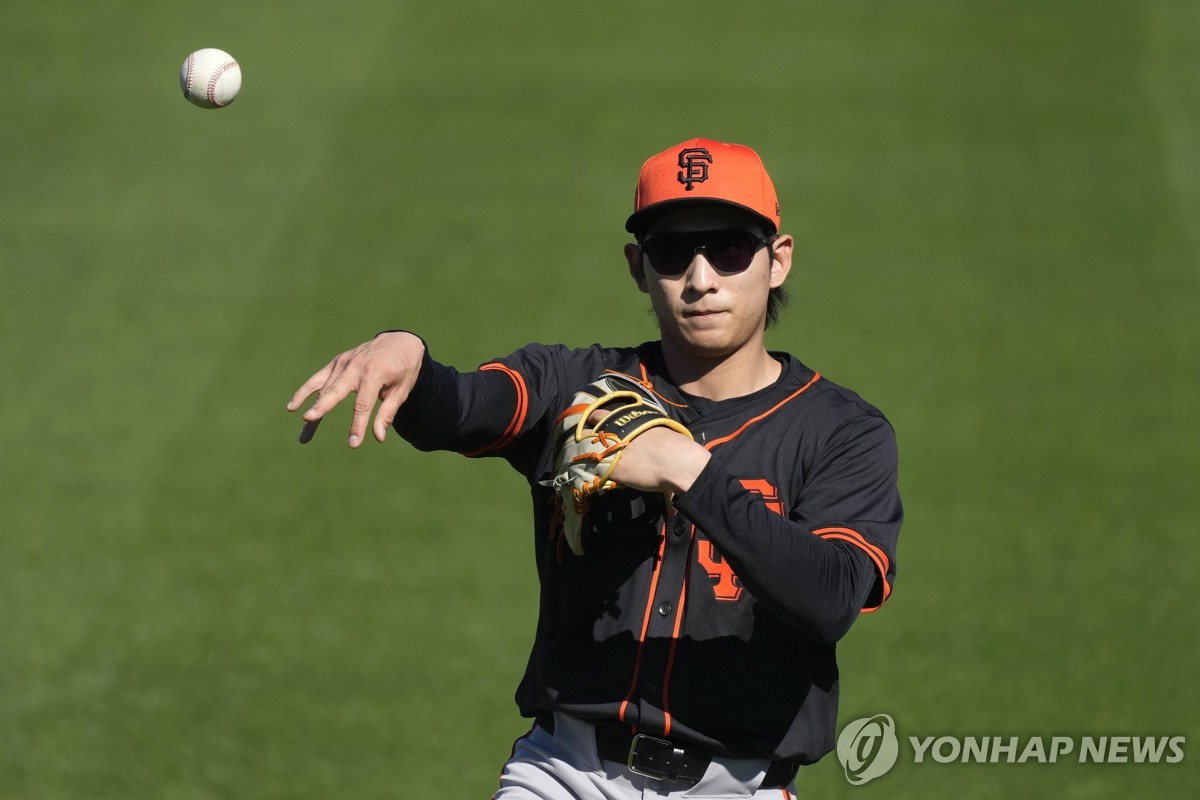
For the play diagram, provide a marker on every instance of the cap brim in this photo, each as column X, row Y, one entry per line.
column 640, row 221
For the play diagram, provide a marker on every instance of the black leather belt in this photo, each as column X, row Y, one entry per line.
column 665, row 760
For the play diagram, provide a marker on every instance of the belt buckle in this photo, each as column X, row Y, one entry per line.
column 633, row 754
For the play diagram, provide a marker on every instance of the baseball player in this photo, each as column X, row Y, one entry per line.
column 710, row 517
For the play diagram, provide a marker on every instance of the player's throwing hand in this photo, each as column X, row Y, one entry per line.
column 383, row 369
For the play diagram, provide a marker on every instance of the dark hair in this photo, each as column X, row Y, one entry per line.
column 777, row 298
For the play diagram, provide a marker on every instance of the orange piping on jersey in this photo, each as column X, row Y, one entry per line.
column 637, row 663
column 816, row 376
column 873, row 552
column 675, row 634
column 645, row 383
column 519, row 413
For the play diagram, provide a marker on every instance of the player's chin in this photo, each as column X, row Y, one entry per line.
column 707, row 342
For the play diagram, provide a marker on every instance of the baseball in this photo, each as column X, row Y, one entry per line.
column 210, row 78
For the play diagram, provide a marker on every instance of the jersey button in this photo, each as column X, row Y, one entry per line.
column 665, row 608
column 679, row 527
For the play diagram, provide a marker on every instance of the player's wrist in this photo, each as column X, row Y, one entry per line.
column 684, row 461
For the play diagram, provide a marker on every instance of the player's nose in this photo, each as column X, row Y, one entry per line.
column 701, row 276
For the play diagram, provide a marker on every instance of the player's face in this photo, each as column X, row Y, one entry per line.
column 705, row 310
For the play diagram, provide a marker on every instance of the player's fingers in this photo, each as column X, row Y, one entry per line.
column 329, row 396
column 328, row 383
column 367, row 393
column 316, row 381
column 340, row 382
column 384, row 368
column 313, row 384
column 392, row 399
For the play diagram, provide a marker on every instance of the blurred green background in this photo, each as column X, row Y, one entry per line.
column 997, row 208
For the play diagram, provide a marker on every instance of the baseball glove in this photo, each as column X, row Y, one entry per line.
column 586, row 453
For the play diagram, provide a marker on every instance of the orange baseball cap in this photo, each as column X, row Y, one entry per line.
column 703, row 171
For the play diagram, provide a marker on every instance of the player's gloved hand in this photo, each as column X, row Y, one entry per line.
column 591, row 435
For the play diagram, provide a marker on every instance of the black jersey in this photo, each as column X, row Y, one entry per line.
column 712, row 619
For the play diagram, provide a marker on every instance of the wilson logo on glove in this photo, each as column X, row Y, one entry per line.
column 592, row 433
column 632, row 415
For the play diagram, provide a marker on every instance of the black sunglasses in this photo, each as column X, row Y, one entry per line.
column 727, row 251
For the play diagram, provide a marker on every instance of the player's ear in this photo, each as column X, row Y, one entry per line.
column 633, row 254
column 781, row 262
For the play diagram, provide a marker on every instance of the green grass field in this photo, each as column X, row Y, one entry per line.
column 997, row 208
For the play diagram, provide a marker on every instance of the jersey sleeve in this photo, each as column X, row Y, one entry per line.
column 834, row 554
column 852, row 496
column 499, row 409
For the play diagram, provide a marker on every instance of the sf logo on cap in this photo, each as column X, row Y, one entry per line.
column 694, row 161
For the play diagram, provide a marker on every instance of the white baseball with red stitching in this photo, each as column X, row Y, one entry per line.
column 210, row 78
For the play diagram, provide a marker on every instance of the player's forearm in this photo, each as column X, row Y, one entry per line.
column 450, row 410
column 818, row 586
